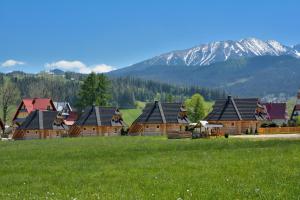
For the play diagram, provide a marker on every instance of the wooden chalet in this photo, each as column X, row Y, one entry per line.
column 98, row 121
column 70, row 116
column 41, row 125
column 29, row 105
column 296, row 109
column 160, row 119
column 238, row 115
column 277, row 113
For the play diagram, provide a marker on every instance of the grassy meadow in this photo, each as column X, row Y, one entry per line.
column 149, row 168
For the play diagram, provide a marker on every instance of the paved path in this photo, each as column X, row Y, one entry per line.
column 271, row 136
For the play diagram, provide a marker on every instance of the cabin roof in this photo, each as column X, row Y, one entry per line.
column 32, row 104
column 159, row 113
column 236, row 109
column 99, row 116
column 39, row 120
column 276, row 110
column 62, row 106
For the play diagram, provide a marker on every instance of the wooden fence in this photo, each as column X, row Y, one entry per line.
column 281, row 130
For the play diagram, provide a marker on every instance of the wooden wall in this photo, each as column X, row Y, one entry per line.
column 39, row 134
column 156, row 129
column 100, row 130
column 237, row 127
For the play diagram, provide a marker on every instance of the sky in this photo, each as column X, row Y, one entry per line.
column 102, row 35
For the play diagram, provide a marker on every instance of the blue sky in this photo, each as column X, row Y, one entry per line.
column 83, row 35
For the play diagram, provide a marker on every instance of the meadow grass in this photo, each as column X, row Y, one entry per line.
column 129, row 115
column 149, row 168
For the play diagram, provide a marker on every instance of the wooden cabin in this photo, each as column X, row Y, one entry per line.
column 70, row 116
column 296, row 109
column 41, row 125
column 29, row 105
column 98, row 121
column 277, row 113
column 238, row 115
column 159, row 119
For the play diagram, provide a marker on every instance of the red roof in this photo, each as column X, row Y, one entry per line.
column 70, row 120
column 276, row 110
column 32, row 104
column 37, row 104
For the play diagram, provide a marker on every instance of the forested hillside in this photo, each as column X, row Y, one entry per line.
column 124, row 92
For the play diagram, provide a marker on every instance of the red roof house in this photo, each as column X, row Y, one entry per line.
column 31, row 104
column 277, row 112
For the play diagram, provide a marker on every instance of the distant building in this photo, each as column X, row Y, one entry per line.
column 31, row 104
column 98, row 121
column 70, row 116
column 277, row 113
column 296, row 110
column 238, row 115
column 41, row 125
column 160, row 118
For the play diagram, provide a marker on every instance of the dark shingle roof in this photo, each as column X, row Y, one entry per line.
column 38, row 120
column 99, row 116
column 157, row 113
column 235, row 109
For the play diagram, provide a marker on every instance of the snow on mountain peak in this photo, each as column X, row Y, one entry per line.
column 206, row 54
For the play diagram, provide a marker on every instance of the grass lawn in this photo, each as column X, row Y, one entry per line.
column 149, row 168
column 129, row 115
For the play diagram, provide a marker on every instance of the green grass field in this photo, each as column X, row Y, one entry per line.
column 149, row 168
column 129, row 115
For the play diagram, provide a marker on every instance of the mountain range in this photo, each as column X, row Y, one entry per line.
column 248, row 67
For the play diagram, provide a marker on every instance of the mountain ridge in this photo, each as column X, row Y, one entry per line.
column 206, row 54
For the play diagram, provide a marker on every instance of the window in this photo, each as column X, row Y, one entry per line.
column 48, row 107
column 27, row 131
column 116, row 130
column 232, row 124
column 157, row 126
column 84, row 128
column 147, row 126
column 36, row 132
column 94, row 129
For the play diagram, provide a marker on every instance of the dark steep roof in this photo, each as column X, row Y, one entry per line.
column 99, row 116
column 39, row 120
column 236, row 109
column 276, row 110
column 159, row 113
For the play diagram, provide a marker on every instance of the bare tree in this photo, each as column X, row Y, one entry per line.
column 9, row 94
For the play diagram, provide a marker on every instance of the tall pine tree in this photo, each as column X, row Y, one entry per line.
column 94, row 91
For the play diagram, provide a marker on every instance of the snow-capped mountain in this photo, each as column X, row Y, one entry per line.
column 207, row 54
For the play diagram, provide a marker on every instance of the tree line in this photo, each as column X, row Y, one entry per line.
column 83, row 90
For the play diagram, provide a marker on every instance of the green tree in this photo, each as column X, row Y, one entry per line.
column 94, row 91
column 195, row 107
column 9, row 95
column 170, row 98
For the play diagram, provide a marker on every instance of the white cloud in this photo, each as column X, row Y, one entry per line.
column 11, row 63
column 79, row 66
